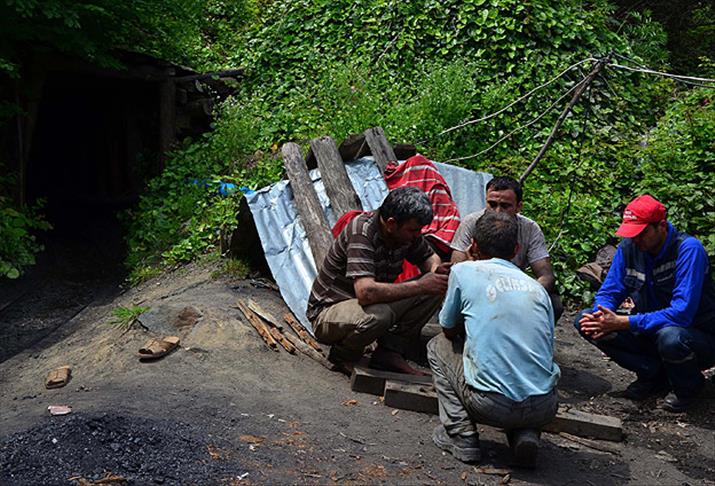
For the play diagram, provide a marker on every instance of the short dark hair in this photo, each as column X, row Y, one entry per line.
column 496, row 234
column 503, row 183
column 405, row 203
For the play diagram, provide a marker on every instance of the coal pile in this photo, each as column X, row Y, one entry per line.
column 89, row 446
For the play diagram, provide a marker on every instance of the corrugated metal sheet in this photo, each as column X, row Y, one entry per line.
column 283, row 236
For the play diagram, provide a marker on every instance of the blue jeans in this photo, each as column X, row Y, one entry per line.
column 677, row 354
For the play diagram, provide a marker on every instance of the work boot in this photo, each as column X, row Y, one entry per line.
column 678, row 404
column 464, row 448
column 525, row 446
column 642, row 389
column 341, row 364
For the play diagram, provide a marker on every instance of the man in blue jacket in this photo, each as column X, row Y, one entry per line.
column 669, row 337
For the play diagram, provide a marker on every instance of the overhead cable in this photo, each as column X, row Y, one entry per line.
column 679, row 77
column 522, row 98
column 518, row 129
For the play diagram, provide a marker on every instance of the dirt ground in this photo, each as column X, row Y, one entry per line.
column 223, row 409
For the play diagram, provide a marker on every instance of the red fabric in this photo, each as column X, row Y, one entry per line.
column 420, row 172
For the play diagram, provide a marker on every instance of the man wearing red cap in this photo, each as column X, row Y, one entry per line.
column 669, row 337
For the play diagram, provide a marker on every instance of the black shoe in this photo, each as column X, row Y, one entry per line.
column 672, row 403
column 466, row 449
column 525, row 446
column 642, row 389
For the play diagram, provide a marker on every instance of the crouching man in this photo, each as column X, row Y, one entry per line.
column 354, row 300
column 493, row 364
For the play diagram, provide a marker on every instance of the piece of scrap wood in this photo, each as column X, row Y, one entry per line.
column 492, row 471
column 258, row 325
column 278, row 336
column 410, row 396
column 310, row 212
column 302, row 332
column 379, row 146
column 338, row 187
column 353, row 147
column 264, row 314
column 308, row 351
column 591, row 444
column 368, row 380
column 585, row 424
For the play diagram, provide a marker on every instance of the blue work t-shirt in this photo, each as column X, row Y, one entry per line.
column 508, row 319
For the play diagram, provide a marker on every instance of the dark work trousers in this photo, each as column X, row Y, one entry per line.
column 675, row 354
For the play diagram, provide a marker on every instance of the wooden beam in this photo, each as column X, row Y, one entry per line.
column 379, row 146
column 404, row 151
column 353, row 147
column 368, row 380
column 586, row 425
column 409, row 396
column 281, row 339
column 306, row 200
column 335, row 178
column 308, row 351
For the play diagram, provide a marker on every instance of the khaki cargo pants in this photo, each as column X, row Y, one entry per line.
column 350, row 327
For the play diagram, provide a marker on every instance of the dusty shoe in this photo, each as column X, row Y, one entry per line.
column 642, row 389
column 466, row 449
column 672, row 403
column 525, row 446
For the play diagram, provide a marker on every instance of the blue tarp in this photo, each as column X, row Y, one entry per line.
column 283, row 237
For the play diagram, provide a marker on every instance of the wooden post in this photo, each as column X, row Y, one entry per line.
column 335, row 178
column 307, row 203
column 379, row 146
column 167, row 116
column 574, row 99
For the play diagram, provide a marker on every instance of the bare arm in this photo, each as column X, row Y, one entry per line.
column 459, row 256
column 368, row 291
column 544, row 273
column 431, row 264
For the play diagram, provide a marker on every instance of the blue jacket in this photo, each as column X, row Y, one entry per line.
column 675, row 288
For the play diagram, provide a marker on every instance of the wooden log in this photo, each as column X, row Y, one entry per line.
column 379, row 146
column 301, row 332
column 592, row 444
column 278, row 336
column 343, row 197
column 409, row 396
column 258, row 325
column 368, row 380
column 585, row 424
column 308, row 351
column 404, row 151
column 306, row 201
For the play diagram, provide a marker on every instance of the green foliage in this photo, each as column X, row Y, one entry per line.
column 18, row 225
column 124, row 317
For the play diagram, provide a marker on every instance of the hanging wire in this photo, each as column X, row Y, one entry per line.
column 521, row 98
column 633, row 61
column 518, row 129
column 678, row 77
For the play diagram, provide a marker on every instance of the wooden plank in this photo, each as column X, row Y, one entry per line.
column 585, row 424
column 306, row 201
column 368, row 380
column 258, row 325
column 409, row 396
column 301, row 332
column 308, row 351
column 264, row 314
column 404, row 151
column 281, row 339
column 379, row 146
column 335, row 178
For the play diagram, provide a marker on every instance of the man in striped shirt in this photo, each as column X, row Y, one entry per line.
column 354, row 300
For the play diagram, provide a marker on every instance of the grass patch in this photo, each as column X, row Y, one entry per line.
column 232, row 268
column 124, row 317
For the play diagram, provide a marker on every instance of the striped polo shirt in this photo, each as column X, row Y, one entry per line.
column 360, row 251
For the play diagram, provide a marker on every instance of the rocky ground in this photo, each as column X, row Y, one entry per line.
column 223, row 409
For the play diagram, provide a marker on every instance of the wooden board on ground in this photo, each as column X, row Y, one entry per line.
column 306, row 200
column 255, row 321
column 368, row 380
column 338, row 187
column 410, row 396
column 301, row 332
column 308, row 351
column 379, row 146
column 586, row 425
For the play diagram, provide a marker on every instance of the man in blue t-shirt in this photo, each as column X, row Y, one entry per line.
column 493, row 364
column 669, row 337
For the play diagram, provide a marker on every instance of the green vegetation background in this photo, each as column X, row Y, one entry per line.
column 415, row 68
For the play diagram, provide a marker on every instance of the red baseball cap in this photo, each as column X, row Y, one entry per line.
column 639, row 213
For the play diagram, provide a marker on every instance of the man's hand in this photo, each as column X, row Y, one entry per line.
column 443, row 268
column 433, row 283
column 603, row 322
